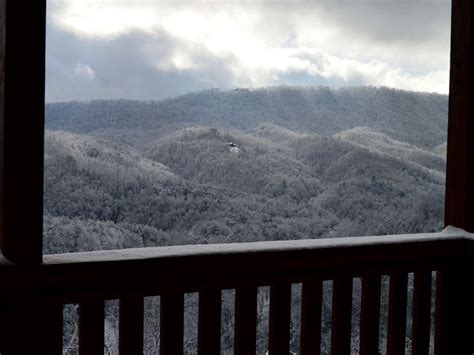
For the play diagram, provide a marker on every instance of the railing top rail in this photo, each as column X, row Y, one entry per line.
column 153, row 271
column 449, row 234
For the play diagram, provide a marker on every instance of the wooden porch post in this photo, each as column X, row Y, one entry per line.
column 454, row 323
column 25, row 317
column 460, row 165
column 22, row 86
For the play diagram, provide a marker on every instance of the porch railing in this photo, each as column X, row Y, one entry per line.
column 35, row 295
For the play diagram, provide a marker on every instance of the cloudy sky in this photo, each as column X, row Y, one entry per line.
column 153, row 49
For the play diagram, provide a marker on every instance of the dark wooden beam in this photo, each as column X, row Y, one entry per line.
column 280, row 319
column 113, row 274
column 22, row 82
column 28, row 325
column 341, row 316
column 51, row 315
column 172, row 324
column 245, row 336
column 397, row 314
column 421, row 313
column 311, row 312
column 370, row 315
column 454, row 309
column 2, row 110
column 91, row 328
column 131, row 325
column 22, row 321
column 209, row 322
column 460, row 164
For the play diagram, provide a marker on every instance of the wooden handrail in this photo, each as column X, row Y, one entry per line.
column 71, row 277
column 110, row 274
column 129, row 275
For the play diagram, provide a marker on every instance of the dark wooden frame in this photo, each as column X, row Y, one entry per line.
column 22, row 83
column 34, row 287
column 460, row 165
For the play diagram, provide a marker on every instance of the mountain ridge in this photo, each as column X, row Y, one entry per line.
column 415, row 118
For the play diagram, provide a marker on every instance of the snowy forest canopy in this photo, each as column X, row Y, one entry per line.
column 312, row 163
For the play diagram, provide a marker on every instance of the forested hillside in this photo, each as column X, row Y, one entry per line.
column 313, row 163
column 243, row 165
column 416, row 118
column 189, row 188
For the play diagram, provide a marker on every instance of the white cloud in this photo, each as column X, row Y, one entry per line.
column 101, row 18
column 350, row 42
column 84, row 71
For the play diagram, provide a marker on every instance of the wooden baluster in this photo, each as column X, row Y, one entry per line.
column 311, row 309
column 397, row 314
column 26, row 315
column 131, row 325
column 209, row 324
column 280, row 315
column 370, row 315
column 454, row 310
column 52, row 328
column 341, row 316
column 91, row 328
column 5, row 316
column 245, row 337
column 172, row 324
column 442, row 316
column 421, row 313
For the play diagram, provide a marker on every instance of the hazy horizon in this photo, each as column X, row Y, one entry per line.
column 250, row 89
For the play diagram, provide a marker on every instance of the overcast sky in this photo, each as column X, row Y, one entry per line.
column 153, row 49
